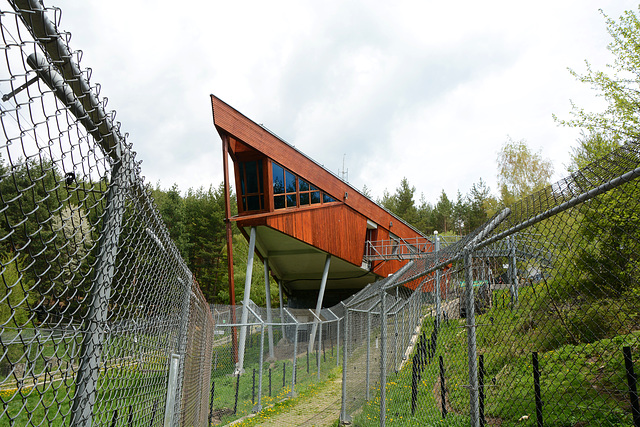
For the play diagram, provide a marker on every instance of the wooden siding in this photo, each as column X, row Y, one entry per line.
column 229, row 121
column 337, row 230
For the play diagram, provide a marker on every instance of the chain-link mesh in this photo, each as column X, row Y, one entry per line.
column 532, row 319
column 280, row 358
column 101, row 322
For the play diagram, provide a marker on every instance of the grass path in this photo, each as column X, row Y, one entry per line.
column 321, row 409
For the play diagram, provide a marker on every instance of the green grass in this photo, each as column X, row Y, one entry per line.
column 582, row 383
column 225, row 381
column 125, row 384
column 284, row 406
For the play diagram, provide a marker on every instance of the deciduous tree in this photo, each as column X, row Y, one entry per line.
column 521, row 171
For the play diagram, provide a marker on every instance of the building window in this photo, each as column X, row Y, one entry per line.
column 309, row 195
column 284, row 187
column 251, row 185
column 290, row 191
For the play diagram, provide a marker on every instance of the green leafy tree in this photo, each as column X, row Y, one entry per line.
column 204, row 219
column 591, row 147
column 621, row 88
column 172, row 208
column 521, row 171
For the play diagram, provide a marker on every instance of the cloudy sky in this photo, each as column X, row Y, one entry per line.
column 427, row 90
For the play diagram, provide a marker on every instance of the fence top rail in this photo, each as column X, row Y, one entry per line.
column 239, row 325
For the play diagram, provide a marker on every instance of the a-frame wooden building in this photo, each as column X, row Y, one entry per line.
column 321, row 239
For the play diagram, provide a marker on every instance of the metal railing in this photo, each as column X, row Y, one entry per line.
column 101, row 322
column 403, row 248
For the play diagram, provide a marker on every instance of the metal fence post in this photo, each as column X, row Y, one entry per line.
column 181, row 346
column 89, row 370
column 383, row 355
column 368, row 374
column 267, row 286
column 258, row 406
column 474, row 409
column 319, row 348
column 294, row 372
column 397, row 333
column 172, row 389
column 438, row 302
column 343, row 408
column 338, row 341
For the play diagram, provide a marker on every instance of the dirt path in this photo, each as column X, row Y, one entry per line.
column 320, row 410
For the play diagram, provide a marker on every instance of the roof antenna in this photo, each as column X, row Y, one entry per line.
column 344, row 174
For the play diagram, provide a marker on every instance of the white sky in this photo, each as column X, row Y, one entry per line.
column 427, row 90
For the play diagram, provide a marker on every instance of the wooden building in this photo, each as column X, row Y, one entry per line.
column 321, row 239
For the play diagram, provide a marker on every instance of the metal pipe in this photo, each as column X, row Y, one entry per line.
column 245, row 303
column 323, row 285
column 88, row 372
column 44, row 31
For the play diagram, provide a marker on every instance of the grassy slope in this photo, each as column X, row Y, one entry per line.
column 582, row 383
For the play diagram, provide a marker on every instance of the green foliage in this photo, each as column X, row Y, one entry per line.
column 447, row 217
column 53, row 228
column 196, row 224
column 15, row 302
column 258, row 289
column 521, row 171
column 591, row 147
column 620, row 120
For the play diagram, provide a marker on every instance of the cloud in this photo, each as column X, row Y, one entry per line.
column 419, row 89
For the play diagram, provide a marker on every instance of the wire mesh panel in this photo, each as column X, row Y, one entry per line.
column 532, row 319
column 100, row 320
column 270, row 373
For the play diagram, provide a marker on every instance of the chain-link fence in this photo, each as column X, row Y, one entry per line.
column 101, row 322
column 281, row 357
column 533, row 319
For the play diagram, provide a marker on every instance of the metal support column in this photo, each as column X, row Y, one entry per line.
column 245, row 303
column 281, row 308
column 323, row 285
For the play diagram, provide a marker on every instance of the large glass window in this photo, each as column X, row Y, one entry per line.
column 290, row 191
column 251, row 185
